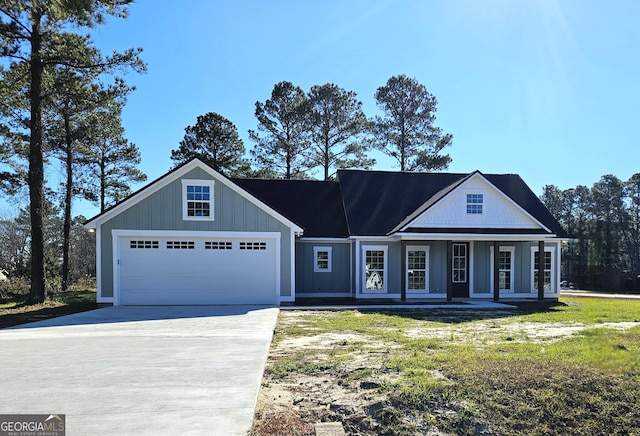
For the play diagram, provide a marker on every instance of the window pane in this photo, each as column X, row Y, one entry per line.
column 505, row 280
column 505, row 260
column 417, row 259
column 417, row 280
column 474, row 203
column 375, row 280
column 322, row 260
column 199, row 200
column 374, row 261
column 198, row 208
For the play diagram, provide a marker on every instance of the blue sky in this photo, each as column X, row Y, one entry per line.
column 542, row 88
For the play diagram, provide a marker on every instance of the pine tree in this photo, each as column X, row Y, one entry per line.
column 406, row 132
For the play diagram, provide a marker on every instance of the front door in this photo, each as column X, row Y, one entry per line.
column 460, row 269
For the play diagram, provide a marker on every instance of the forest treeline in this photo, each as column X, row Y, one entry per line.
column 604, row 222
column 61, row 101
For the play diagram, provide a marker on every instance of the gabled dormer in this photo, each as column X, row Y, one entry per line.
column 472, row 204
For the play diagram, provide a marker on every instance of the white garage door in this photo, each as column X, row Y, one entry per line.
column 182, row 270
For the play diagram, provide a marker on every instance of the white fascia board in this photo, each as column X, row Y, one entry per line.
column 327, row 240
column 470, row 237
column 177, row 174
column 395, row 237
column 370, row 238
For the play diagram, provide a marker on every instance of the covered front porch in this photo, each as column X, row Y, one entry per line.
column 476, row 267
column 488, row 267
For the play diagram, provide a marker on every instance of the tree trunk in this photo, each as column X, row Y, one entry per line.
column 402, row 150
column 326, row 158
column 103, row 182
column 37, row 293
column 66, row 226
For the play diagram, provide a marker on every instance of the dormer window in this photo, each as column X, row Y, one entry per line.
column 197, row 200
column 474, row 204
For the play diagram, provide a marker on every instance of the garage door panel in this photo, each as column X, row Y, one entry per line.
column 152, row 273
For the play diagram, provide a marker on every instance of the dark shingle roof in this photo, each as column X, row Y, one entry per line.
column 375, row 202
column 316, row 206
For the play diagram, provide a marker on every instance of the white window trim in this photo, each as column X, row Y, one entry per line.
column 210, row 184
column 554, row 269
column 424, row 248
column 385, row 270
column 511, row 249
column 317, row 250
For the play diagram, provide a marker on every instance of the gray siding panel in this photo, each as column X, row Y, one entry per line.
column 523, row 268
column 482, row 268
column 309, row 282
column 437, row 267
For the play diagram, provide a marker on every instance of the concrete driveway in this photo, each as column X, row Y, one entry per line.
column 140, row 370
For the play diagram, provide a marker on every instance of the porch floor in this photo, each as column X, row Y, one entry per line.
column 352, row 303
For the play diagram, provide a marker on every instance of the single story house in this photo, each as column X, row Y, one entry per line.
column 194, row 236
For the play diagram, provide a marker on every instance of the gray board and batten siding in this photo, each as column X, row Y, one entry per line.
column 338, row 282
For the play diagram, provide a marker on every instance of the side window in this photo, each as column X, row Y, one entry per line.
column 197, row 200
column 322, row 259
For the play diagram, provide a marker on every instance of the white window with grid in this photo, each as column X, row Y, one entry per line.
column 321, row 259
column 547, row 269
column 197, row 200
column 417, row 274
column 475, row 202
column 505, row 268
column 375, row 269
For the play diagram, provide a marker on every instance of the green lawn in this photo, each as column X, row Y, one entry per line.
column 572, row 368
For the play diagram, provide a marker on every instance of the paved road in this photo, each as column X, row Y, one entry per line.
column 578, row 293
column 140, row 370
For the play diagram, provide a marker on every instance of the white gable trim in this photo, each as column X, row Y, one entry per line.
column 461, row 187
column 176, row 175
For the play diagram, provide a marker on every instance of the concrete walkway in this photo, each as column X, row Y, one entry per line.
column 140, row 370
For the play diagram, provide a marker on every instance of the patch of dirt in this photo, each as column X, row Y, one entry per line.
column 343, row 393
column 490, row 332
